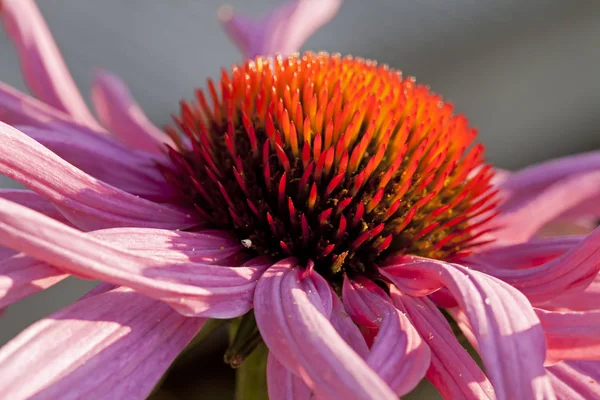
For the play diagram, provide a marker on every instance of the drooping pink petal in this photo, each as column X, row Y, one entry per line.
column 119, row 112
column 88, row 203
column 573, row 271
column 18, row 108
column 206, row 247
column 294, row 323
column 576, row 380
column 104, row 158
column 571, row 335
column 530, row 181
column 99, row 289
column 22, row 276
column 398, row 354
column 112, row 345
column 520, row 223
column 284, row 385
column 347, row 329
column 453, row 371
column 43, row 67
column 585, row 300
column 281, row 31
column 511, row 342
column 34, row 201
column 193, row 289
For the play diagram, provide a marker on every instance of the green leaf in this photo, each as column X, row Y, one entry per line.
column 251, row 376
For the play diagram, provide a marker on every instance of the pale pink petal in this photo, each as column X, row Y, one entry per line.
column 529, row 181
column 284, row 385
column 524, row 220
column 43, row 67
column 193, row 289
column 453, row 371
column 114, row 345
column 34, row 201
column 104, row 158
column 206, row 247
column 281, row 31
column 294, row 323
column 88, row 203
column 124, row 117
column 398, row 354
column 22, row 276
column 509, row 334
column 571, row 335
column 573, row 271
column 585, row 300
column 576, row 380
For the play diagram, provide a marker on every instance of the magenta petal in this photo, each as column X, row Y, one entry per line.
column 281, row 31
column 193, row 289
column 295, row 326
column 576, row 380
column 573, row 271
column 453, row 371
column 43, row 67
column 398, row 354
column 113, row 345
column 511, row 342
column 284, row 385
column 347, row 329
column 86, row 202
column 104, row 158
column 571, row 335
column 124, row 117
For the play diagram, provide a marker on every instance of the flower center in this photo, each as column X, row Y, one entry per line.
column 334, row 160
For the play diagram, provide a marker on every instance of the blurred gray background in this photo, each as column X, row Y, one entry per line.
column 524, row 72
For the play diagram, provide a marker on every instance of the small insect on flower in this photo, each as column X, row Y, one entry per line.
column 333, row 212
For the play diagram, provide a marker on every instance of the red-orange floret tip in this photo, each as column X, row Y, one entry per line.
column 332, row 159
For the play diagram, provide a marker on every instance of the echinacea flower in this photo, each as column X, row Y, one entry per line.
column 342, row 203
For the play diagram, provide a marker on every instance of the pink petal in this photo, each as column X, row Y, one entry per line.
column 398, row 353
column 284, row 385
column 576, row 380
column 452, row 371
column 33, row 201
column 206, row 247
column 509, row 334
column 86, row 202
column 573, row 271
column 21, row 276
column 522, row 221
column 193, row 289
column 343, row 324
column 18, row 108
column 104, row 158
column 113, row 345
column 43, row 67
column 530, row 181
column 294, row 323
column 585, row 300
column 124, row 117
column 571, row 335
column 281, row 31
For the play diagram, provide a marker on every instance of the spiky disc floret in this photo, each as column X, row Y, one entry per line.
column 332, row 159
